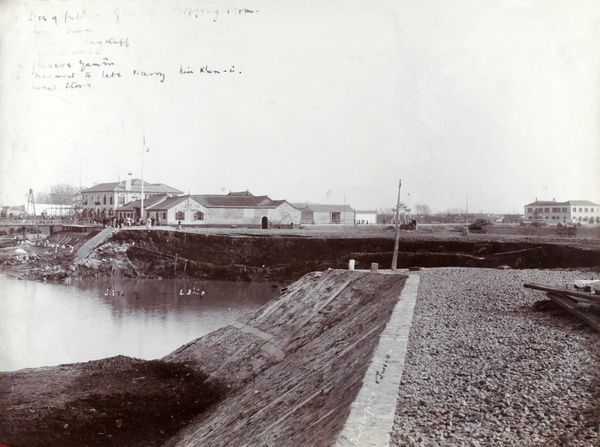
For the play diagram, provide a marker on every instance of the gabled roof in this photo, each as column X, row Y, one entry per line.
column 136, row 186
column 149, row 202
column 169, row 203
column 236, row 200
column 581, row 203
column 567, row 203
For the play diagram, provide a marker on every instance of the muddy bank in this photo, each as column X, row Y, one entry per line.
column 286, row 376
column 287, row 258
column 273, row 256
column 112, row 402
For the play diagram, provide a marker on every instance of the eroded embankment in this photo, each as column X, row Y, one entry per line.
column 269, row 257
column 286, row 376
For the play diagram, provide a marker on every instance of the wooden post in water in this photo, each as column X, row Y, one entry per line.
column 175, row 265
column 396, row 243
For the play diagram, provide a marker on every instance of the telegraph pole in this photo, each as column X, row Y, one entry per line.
column 395, row 257
column 142, row 204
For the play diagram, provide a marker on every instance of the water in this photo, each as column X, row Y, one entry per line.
column 51, row 324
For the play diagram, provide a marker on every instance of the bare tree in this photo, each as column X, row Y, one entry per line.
column 42, row 197
column 64, row 194
column 423, row 209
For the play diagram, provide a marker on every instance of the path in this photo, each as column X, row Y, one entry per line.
column 86, row 248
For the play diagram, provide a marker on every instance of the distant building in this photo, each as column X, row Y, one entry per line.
column 103, row 200
column 569, row 212
column 365, row 217
column 318, row 214
column 12, row 212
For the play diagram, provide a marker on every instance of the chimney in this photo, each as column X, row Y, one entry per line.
column 128, row 184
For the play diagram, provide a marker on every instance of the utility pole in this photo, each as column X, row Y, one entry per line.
column 142, row 204
column 395, row 257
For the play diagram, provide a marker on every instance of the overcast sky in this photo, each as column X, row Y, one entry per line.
column 321, row 101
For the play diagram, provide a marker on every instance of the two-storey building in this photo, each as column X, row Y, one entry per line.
column 569, row 212
column 102, row 200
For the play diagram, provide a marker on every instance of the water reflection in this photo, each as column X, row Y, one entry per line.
column 50, row 324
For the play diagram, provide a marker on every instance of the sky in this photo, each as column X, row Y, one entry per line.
column 482, row 104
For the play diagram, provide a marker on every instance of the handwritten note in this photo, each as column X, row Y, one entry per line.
column 89, row 49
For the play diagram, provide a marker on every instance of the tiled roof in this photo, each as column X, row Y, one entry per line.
column 149, row 202
column 136, row 186
column 169, row 203
column 235, row 200
column 582, row 203
column 567, row 203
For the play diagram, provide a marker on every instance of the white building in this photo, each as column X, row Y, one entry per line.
column 570, row 212
column 103, row 200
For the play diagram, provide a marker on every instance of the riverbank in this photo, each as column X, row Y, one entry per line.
column 483, row 368
column 311, row 345
column 285, row 255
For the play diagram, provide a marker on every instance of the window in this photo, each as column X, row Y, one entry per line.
column 580, row 210
column 180, row 215
column 199, row 215
column 586, row 210
column 564, row 210
column 111, row 199
column 121, row 199
column 336, row 218
column 530, row 210
column 164, row 216
column 104, row 198
column 546, row 210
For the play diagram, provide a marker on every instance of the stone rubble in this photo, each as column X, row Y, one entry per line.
column 484, row 368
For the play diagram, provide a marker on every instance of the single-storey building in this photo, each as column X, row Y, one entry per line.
column 12, row 212
column 318, row 214
column 246, row 209
column 164, row 210
column 243, row 209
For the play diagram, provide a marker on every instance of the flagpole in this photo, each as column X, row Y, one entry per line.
column 142, row 205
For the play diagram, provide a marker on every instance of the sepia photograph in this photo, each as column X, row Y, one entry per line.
column 299, row 223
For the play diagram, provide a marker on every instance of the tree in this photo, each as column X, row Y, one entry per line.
column 63, row 194
column 423, row 209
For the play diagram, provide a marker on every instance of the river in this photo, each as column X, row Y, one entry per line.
column 51, row 324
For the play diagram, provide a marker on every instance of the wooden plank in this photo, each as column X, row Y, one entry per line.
column 560, row 291
column 568, row 304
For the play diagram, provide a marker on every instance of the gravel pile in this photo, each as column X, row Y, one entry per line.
column 484, row 368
